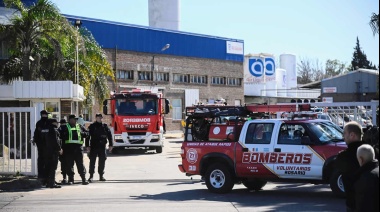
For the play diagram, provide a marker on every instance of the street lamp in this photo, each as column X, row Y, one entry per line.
column 77, row 25
column 162, row 49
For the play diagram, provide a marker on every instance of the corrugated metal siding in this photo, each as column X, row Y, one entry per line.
column 347, row 83
column 150, row 40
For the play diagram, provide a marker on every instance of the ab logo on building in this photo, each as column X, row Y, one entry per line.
column 258, row 66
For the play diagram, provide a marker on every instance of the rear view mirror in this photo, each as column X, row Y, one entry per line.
column 105, row 108
column 167, row 106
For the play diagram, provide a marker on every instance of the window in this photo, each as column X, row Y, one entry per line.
column 145, row 75
column 162, row 77
column 180, row 78
column 177, row 109
column 198, row 79
column 4, row 50
column 234, row 81
column 291, row 134
column 218, row 81
column 237, row 102
column 122, row 74
column 259, row 133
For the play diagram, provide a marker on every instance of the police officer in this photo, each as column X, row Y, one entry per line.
column 72, row 135
column 53, row 150
column 99, row 134
column 37, row 139
column 63, row 122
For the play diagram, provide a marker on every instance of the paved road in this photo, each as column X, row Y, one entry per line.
column 139, row 181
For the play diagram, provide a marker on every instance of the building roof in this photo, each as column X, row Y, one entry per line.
column 317, row 84
column 129, row 37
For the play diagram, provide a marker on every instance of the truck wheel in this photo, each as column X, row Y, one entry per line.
column 336, row 184
column 219, row 179
column 159, row 149
column 255, row 184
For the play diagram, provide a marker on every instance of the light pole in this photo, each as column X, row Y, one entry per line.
column 162, row 49
column 77, row 25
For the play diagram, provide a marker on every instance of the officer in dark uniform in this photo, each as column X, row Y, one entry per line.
column 53, row 150
column 99, row 134
column 37, row 139
column 72, row 135
column 63, row 122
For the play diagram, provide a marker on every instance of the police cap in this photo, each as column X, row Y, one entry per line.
column 99, row 115
column 44, row 112
column 72, row 116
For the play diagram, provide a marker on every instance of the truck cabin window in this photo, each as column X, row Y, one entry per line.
column 136, row 106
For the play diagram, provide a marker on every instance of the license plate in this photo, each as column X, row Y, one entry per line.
column 135, row 137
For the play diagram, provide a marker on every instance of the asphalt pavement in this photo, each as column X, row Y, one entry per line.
column 146, row 181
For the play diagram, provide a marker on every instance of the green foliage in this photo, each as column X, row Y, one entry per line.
column 40, row 32
column 374, row 23
column 334, row 68
column 359, row 58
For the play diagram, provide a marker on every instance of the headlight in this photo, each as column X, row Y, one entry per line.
column 155, row 137
column 118, row 137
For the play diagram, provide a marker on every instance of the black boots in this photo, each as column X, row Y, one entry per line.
column 51, row 184
column 84, row 181
column 71, row 181
column 90, row 179
column 101, row 178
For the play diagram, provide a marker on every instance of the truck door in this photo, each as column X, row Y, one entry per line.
column 294, row 160
column 253, row 157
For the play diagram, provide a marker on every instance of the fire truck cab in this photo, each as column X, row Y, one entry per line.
column 137, row 119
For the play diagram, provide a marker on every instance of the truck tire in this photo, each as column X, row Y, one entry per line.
column 336, row 184
column 255, row 184
column 219, row 179
column 159, row 149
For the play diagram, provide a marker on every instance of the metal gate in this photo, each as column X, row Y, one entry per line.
column 17, row 154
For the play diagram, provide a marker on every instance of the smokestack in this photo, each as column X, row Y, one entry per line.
column 164, row 14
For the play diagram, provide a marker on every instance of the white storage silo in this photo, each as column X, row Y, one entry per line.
column 254, row 77
column 270, row 76
column 281, row 82
column 164, row 14
column 289, row 63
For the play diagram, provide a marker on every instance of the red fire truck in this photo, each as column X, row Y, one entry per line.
column 232, row 145
column 137, row 119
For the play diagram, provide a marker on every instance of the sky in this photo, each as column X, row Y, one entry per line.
column 316, row 30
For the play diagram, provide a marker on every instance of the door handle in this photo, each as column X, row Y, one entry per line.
column 245, row 150
column 277, row 149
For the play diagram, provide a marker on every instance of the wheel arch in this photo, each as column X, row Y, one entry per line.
column 215, row 157
column 328, row 168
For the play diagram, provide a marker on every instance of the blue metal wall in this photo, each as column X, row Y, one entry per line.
column 354, row 82
column 150, row 40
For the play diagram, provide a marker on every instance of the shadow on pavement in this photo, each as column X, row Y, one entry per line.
column 293, row 199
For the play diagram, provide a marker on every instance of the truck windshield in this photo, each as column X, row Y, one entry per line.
column 326, row 131
column 136, row 106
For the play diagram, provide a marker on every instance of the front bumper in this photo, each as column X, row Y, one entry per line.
column 148, row 140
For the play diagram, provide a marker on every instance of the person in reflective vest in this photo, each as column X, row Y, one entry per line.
column 99, row 134
column 72, row 135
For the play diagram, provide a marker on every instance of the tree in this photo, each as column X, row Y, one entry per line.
column 334, row 68
column 359, row 59
column 374, row 23
column 309, row 71
column 51, row 43
column 33, row 26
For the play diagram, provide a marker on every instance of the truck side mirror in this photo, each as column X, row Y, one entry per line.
column 167, row 106
column 105, row 109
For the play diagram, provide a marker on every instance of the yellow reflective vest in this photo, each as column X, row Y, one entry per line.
column 71, row 141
